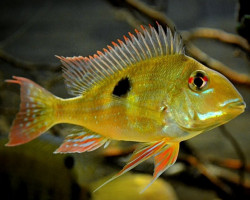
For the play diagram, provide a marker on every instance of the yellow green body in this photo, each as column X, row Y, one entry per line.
column 159, row 105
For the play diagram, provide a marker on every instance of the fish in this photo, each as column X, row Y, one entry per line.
column 143, row 89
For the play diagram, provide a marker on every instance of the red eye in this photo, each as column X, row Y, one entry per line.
column 190, row 80
column 198, row 80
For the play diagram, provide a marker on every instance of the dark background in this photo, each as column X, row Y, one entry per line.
column 35, row 31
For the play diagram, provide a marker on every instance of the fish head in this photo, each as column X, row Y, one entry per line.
column 205, row 99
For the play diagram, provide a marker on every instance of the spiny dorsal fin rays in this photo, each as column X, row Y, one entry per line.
column 156, row 40
column 137, row 43
column 163, row 39
column 81, row 73
column 134, row 44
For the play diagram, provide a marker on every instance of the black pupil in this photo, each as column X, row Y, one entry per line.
column 198, row 81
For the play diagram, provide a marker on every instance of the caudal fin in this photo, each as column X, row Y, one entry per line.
column 35, row 115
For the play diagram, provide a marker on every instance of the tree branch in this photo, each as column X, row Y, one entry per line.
column 234, row 76
column 211, row 33
column 27, row 65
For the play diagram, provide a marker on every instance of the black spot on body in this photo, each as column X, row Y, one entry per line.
column 122, row 87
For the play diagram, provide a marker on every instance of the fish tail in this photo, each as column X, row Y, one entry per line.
column 36, row 113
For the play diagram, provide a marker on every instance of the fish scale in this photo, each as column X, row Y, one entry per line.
column 144, row 89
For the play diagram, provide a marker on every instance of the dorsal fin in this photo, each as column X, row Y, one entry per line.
column 81, row 73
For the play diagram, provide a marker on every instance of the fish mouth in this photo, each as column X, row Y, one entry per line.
column 237, row 105
column 232, row 109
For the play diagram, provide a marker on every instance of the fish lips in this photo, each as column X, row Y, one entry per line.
column 238, row 105
column 229, row 111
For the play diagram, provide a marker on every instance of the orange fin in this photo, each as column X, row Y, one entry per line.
column 163, row 160
column 82, row 141
column 35, row 114
column 141, row 154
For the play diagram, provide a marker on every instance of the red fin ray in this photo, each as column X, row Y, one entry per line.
column 82, row 141
column 35, row 114
column 165, row 155
column 163, row 160
column 142, row 154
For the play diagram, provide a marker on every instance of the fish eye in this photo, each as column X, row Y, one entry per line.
column 198, row 80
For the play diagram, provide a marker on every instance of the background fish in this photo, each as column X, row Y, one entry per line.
column 144, row 90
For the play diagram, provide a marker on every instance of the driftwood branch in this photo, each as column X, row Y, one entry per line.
column 236, row 77
column 26, row 65
column 238, row 151
column 217, row 34
column 145, row 10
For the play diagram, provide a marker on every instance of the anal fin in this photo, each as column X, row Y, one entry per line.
column 81, row 141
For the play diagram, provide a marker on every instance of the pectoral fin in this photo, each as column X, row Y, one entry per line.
column 163, row 160
column 81, row 141
column 165, row 156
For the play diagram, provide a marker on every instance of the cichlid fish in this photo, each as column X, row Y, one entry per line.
column 144, row 89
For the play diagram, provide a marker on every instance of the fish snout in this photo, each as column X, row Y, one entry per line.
column 238, row 106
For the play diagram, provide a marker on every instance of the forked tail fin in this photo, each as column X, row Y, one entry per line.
column 36, row 113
